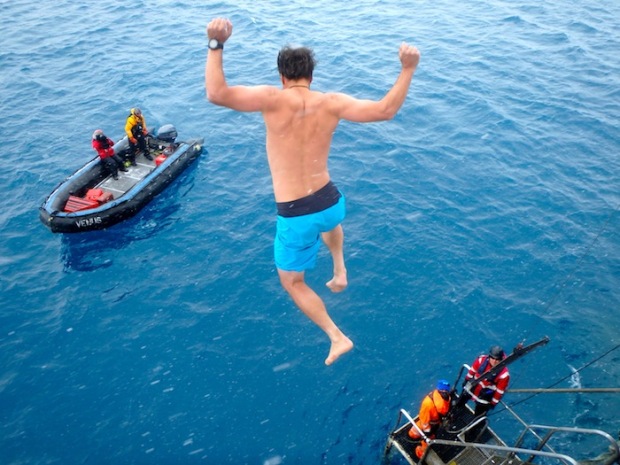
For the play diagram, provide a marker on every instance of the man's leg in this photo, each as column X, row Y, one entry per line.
column 119, row 162
column 311, row 304
column 144, row 147
column 111, row 167
column 131, row 154
column 334, row 240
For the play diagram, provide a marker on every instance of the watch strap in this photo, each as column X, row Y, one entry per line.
column 215, row 44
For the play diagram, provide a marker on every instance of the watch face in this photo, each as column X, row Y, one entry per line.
column 213, row 44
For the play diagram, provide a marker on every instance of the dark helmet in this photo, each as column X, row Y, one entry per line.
column 496, row 352
column 443, row 385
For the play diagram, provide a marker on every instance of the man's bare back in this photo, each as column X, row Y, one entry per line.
column 300, row 124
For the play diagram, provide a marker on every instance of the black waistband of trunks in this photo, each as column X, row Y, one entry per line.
column 325, row 197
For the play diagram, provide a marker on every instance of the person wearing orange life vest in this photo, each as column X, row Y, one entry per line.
column 434, row 408
column 487, row 393
column 103, row 145
column 136, row 130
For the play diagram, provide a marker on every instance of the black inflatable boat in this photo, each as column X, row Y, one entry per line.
column 92, row 199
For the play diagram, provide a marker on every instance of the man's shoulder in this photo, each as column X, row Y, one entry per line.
column 266, row 88
column 335, row 96
column 264, row 92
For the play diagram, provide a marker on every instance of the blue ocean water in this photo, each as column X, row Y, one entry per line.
column 485, row 212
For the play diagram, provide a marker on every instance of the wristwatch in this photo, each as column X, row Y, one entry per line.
column 215, row 44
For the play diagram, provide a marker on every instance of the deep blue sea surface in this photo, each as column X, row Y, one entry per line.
column 486, row 212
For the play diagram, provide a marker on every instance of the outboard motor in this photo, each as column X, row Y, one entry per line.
column 167, row 133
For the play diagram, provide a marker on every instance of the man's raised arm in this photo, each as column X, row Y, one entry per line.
column 364, row 111
column 218, row 32
column 240, row 98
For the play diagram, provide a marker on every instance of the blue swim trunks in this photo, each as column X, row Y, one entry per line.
column 300, row 224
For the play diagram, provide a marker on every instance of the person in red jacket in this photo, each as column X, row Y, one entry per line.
column 434, row 408
column 487, row 393
column 104, row 146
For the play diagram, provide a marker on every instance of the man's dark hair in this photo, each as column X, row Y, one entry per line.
column 296, row 63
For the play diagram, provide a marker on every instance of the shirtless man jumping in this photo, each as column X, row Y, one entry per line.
column 300, row 123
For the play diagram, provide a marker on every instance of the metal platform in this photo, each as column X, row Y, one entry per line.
column 466, row 440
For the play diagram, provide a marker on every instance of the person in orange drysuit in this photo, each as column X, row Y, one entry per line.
column 433, row 410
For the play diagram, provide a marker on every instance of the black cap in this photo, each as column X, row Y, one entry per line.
column 496, row 352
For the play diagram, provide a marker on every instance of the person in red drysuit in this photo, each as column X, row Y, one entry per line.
column 104, row 146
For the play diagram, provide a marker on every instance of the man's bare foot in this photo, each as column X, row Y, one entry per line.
column 338, row 283
column 342, row 346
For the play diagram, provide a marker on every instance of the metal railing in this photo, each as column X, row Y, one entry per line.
column 537, row 451
column 552, row 430
column 561, row 458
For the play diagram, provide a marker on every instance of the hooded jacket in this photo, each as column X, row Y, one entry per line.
column 104, row 147
column 135, row 125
